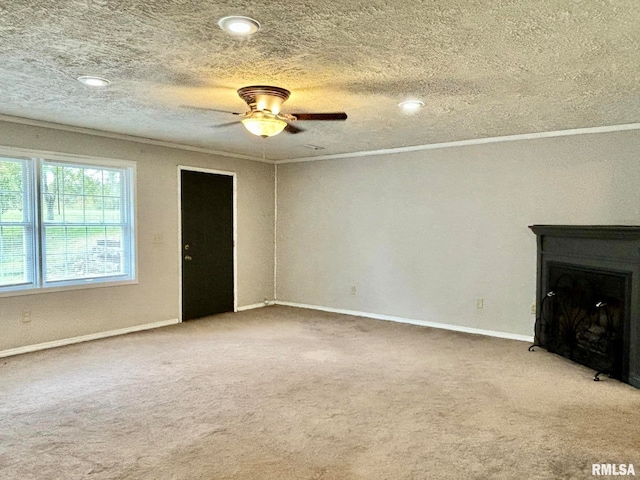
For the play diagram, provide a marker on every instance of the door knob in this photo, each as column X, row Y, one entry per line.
column 187, row 258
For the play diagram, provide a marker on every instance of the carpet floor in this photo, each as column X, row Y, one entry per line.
column 284, row 393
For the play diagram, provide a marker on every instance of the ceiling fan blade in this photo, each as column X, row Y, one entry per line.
column 222, row 125
column 293, row 129
column 321, row 116
column 209, row 109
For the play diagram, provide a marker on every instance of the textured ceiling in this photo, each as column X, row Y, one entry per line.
column 484, row 68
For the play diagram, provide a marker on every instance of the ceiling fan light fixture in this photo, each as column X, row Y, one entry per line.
column 263, row 124
column 238, row 25
column 411, row 106
column 92, row 81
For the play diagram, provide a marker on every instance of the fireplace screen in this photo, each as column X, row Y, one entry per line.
column 582, row 317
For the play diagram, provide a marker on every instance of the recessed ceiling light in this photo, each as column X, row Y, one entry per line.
column 94, row 81
column 236, row 25
column 411, row 106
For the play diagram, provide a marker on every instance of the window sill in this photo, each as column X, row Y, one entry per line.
column 66, row 288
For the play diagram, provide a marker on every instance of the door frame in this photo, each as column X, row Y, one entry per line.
column 235, row 230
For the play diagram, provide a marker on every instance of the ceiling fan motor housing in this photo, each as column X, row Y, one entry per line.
column 262, row 97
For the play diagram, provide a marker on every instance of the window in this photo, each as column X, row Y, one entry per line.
column 16, row 224
column 64, row 223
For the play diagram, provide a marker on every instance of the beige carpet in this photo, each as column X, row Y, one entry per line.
column 283, row 393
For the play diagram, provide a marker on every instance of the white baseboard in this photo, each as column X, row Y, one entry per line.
column 423, row 323
column 86, row 338
column 252, row 306
column 164, row 323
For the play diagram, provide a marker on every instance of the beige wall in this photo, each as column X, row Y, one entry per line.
column 155, row 298
column 422, row 235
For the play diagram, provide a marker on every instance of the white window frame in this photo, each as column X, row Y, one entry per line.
column 31, row 224
column 36, row 159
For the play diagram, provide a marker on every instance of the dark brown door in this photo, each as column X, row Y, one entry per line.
column 207, row 244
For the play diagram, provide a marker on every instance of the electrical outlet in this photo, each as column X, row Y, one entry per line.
column 479, row 302
column 533, row 309
column 158, row 239
column 353, row 290
column 26, row 316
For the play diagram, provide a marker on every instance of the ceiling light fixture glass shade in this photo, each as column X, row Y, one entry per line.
column 93, row 81
column 237, row 25
column 264, row 124
column 411, row 106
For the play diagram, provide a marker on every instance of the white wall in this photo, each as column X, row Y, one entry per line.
column 422, row 235
column 155, row 298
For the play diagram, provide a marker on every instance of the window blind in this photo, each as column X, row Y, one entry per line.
column 16, row 224
column 64, row 223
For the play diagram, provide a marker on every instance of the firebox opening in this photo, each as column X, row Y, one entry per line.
column 584, row 317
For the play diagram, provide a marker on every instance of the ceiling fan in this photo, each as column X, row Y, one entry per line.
column 264, row 117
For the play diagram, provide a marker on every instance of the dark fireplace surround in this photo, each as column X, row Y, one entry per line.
column 588, row 296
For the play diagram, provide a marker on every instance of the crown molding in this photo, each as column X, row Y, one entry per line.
column 462, row 143
column 367, row 153
column 129, row 138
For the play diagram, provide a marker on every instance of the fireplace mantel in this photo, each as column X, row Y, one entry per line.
column 610, row 248
column 615, row 232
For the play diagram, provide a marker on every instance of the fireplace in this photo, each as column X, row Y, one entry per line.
column 588, row 291
column 583, row 315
